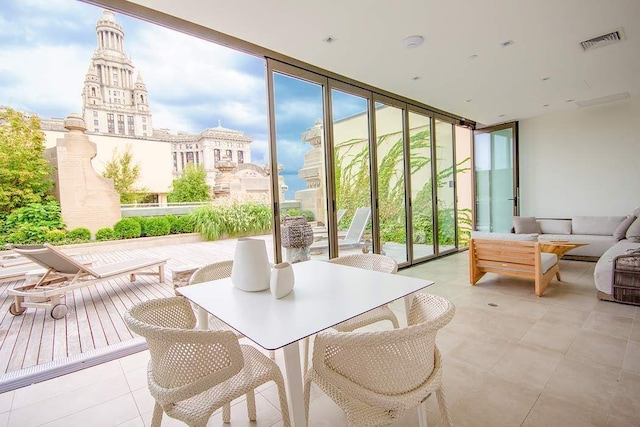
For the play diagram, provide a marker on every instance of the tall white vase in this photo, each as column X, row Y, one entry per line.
column 251, row 271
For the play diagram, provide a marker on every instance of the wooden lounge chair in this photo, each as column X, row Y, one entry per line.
column 18, row 272
column 64, row 274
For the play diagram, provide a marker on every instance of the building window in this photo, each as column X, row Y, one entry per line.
column 197, row 157
column 182, row 160
column 95, row 123
column 144, row 119
column 240, row 157
column 96, row 130
column 95, row 114
column 229, row 155
column 175, row 161
column 144, row 127
column 189, row 156
column 130, row 126
column 121, row 124
column 93, row 91
column 110, row 123
column 216, row 155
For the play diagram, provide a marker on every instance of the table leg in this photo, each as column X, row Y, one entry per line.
column 203, row 318
column 294, row 384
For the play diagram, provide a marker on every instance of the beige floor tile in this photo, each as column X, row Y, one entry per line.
column 555, row 411
column 509, row 327
column 4, row 419
column 583, row 384
column 615, row 308
column 597, row 349
column 635, row 331
column 458, row 378
column 134, row 422
column 137, row 378
column 494, row 402
column 525, row 309
column 632, row 358
column 522, row 364
column 6, row 401
column 67, row 383
column 144, row 400
column 267, row 415
column 570, row 318
column 135, row 361
column 62, row 405
column 483, row 352
column 107, row 414
column 549, row 336
column 609, row 324
column 616, row 420
column 626, row 401
column 323, row 412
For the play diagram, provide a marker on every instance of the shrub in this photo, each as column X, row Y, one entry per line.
column 183, row 224
column 33, row 222
column 27, row 233
column 106, row 233
column 170, row 218
column 55, row 236
column 245, row 219
column 127, row 228
column 143, row 224
column 79, row 234
column 158, row 226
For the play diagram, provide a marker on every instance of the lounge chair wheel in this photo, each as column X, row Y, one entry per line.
column 14, row 311
column 59, row 311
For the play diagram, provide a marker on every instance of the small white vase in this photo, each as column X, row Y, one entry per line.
column 251, row 271
column 282, row 280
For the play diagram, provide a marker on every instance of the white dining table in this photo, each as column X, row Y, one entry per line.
column 324, row 295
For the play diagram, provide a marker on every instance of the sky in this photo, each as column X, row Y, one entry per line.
column 45, row 52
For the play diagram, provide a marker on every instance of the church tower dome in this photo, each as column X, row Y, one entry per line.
column 112, row 102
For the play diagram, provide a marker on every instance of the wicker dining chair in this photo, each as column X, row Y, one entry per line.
column 194, row 372
column 216, row 271
column 375, row 377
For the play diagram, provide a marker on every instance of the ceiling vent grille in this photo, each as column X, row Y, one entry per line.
column 603, row 40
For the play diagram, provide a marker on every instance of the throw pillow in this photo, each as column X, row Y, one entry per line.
column 633, row 232
column 525, row 225
column 621, row 231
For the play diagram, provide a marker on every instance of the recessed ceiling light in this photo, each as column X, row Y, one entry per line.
column 467, row 100
column 472, row 57
column 545, row 105
column 544, row 79
column 329, row 39
column 507, row 43
column 413, row 42
column 416, row 78
column 502, row 115
column 569, row 100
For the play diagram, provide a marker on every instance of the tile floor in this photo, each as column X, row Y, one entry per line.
column 510, row 359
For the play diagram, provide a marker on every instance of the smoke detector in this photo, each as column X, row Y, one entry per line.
column 413, row 42
column 603, row 40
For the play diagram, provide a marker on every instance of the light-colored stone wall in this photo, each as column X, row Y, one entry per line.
column 86, row 198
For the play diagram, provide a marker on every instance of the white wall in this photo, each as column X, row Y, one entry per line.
column 585, row 161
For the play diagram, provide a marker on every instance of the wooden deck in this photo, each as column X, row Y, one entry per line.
column 95, row 317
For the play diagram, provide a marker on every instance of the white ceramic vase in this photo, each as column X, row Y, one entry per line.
column 251, row 270
column 282, row 280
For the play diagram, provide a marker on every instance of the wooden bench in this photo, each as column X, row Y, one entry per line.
column 512, row 258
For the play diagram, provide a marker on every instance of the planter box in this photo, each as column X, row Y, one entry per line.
column 138, row 243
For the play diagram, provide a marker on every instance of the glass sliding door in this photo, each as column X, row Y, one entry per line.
column 352, row 170
column 464, row 184
column 445, row 186
column 390, row 164
column 298, row 144
column 421, row 179
column 495, row 171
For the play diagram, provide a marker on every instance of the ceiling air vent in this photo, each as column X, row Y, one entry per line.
column 603, row 40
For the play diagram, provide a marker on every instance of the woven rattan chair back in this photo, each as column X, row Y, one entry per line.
column 215, row 271
column 376, row 376
column 374, row 262
column 194, row 372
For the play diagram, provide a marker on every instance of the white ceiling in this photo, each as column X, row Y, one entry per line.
column 502, row 84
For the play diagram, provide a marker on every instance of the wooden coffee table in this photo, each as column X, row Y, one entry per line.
column 559, row 247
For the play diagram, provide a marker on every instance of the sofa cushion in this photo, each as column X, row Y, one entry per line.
column 633, row 232
column 621, row 230
column 548, row 260
column 505, row 236
column 555, row 226
column 525, row 225
column 597, row 225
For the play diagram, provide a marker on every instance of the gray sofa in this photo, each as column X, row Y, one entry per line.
column 607, row 237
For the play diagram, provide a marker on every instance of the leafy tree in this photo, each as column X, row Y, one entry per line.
column 125, row 173
column 25, row 175
column 191, row 186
